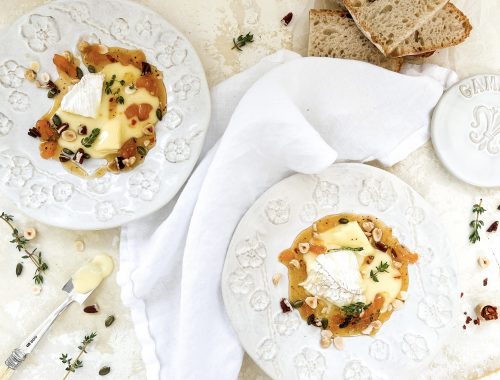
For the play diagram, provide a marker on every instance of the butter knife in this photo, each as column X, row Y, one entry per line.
column 19, row 354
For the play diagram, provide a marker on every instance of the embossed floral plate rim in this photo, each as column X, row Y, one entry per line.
column 43, row 189
column 465, row 130
column 282, row 344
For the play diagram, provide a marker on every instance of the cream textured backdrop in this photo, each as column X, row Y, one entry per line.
column 210, row 26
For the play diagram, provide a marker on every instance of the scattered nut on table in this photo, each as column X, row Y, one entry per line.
column 29, row 233
column 79, row 245
column 276, row 279
column 483, row 262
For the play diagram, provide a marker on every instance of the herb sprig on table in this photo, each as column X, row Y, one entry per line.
column 476, row 224
column 21, row 244
column 381, row 268
column 242, row 40
column 73, row 365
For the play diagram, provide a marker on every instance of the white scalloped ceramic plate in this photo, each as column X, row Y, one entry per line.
column 284, row 345
column 466, row 130
column 43, row 189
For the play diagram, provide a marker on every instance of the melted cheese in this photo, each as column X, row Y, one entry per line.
column 346, row 235
column 389, row 284
column 115, row 127
column 89, row 276
column 334, row 277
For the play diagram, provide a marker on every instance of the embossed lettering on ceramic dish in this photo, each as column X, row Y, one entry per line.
column 486, row 129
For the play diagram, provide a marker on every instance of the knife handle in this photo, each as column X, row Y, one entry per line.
column 19, row 354
column 5, row 372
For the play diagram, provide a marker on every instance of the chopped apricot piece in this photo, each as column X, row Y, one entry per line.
column 65, row 66
column 47, row 133
column 144, row 110
column 318, row 249
column 48, row 149
column 131, row 111
column 147, row 82
column 404, row 255
column 286, row 255
column 128, row 149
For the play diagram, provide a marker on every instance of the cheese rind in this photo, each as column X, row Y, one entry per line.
column 85, row 97
column 334, row 277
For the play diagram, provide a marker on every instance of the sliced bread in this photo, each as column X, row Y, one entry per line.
column 334, row 34
column 448, row 27
column 388, row 23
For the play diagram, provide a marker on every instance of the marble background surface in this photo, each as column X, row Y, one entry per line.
column 210, row 26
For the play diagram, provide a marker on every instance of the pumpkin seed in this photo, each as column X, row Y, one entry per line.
column 19, row 269
column 52, row 93
column 91, row 69
column 57, row 120
column 324, row 323
column 109, row 321
column 159, row 114
column 297, row 304
column 142, row 151
column 68, row 151
column 104, row 371
column 79, row 73
column 343, row 220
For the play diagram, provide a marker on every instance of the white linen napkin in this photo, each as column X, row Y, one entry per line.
column 287, row 114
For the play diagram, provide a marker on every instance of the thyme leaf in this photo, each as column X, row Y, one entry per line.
column 381, row 268
column 476, row 224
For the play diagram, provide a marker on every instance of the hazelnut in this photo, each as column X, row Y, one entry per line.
column 487, row 312
column 29, row 233
column 129, row 161
column 377, row 234
column 397, row 304
column 148, row 129
column 35, row 66
column 483, row 262
column 315, row 227
column 83, row 45
column 326, row 338
column 68, row 135
column 102, row 49
column 44, row 78
column 79, row 245
column 368, row 330
column 30, row 75
column 312, row 302
column 368, row 226
column 36, row 289
column 68, row 55
column 397, row 264
column 338, row 342
column 304, row 248
column 295, row 263
column 403, row 295
column 276, row 279
column 82, row 129
column 376, row 324
column 147, row 142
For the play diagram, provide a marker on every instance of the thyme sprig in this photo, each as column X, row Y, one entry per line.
column 21, row 244
column 354, row 249
column 381, row 268
column 90, row 139
column 355, row 309
column 476, row 224
column 242, row 40
column 73, row 365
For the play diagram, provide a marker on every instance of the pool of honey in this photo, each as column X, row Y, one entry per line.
column 96, row 61
column 336, row 318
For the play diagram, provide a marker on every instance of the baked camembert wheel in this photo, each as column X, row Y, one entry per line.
column 347, row 274
column 109, row 113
